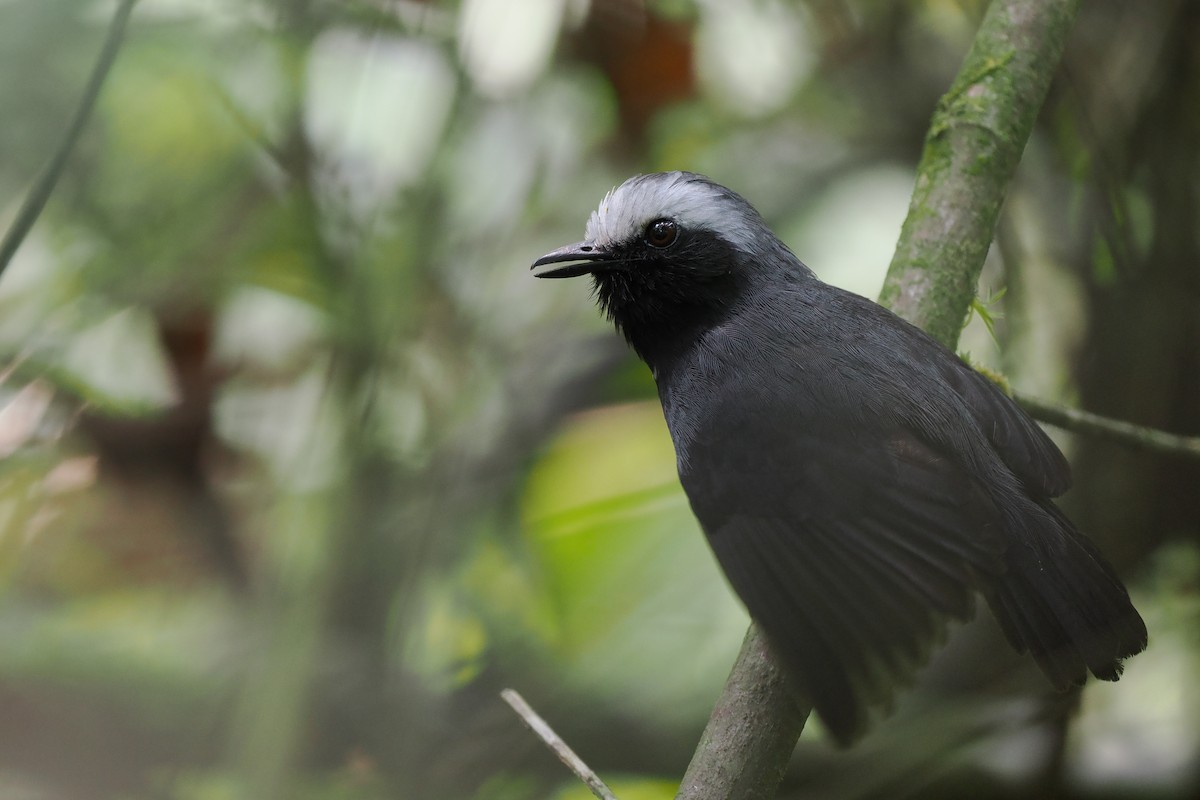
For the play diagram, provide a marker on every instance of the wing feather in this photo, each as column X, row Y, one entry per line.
column 852, row 568
column 1019, row 441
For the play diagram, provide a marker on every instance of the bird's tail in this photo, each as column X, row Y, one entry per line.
column 1061, row 601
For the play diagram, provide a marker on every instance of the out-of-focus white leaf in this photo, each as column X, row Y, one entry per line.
column 752, row 55
column 849, row 235
column 118, row 359
column 265, row 327
column 376, row 108
column 292, row 427
column 505, row 44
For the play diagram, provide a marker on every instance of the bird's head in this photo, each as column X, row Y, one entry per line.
column 671, row 252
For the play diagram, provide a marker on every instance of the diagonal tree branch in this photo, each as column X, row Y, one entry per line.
column 40, row 192
column 973, row 145
column 751, row 734
column 557, row 746
column 975, row 141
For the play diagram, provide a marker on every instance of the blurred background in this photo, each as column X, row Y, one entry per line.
column 301, row 467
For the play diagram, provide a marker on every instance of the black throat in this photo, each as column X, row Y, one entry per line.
column 664, row 301
column 662, row 310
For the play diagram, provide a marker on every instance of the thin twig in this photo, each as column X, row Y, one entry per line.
column 253, row 131
column 35, row 201
column 1073, row 419
column 565, row 754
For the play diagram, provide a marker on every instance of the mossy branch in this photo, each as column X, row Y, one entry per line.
column 975, row 141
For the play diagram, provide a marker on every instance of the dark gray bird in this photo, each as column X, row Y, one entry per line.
column 857, row 482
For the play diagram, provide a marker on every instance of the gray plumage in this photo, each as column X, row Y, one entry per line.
column 858, row 483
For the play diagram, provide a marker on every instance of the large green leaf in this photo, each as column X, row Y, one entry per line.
column 641, row 606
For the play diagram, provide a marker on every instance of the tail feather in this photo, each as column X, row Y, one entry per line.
column 1062, row 602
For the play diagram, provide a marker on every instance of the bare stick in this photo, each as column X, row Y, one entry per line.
column 565, row 754
column 35, row 201
column 1073, row 419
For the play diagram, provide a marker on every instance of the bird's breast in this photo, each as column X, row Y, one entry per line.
column 717, row 386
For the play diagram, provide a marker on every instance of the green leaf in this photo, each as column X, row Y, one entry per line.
column 983, row 307
column 629, row 578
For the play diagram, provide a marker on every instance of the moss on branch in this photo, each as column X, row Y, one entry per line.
column 975, row 141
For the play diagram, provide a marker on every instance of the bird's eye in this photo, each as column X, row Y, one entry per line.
column 662, row 233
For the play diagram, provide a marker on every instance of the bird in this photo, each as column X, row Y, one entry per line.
column 859, row 484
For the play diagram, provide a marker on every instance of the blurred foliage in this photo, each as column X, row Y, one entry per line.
column 300, row 467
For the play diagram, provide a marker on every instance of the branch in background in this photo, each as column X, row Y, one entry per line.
column 1073, row 419
column 35, row 201
column 565, row 754
column 974, row 143
column 1085, row 422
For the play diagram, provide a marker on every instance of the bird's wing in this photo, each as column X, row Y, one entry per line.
column 1019, row 441
column 921, row 371
column 851, row 551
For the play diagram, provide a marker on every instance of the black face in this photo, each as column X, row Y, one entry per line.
column 667, row 283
